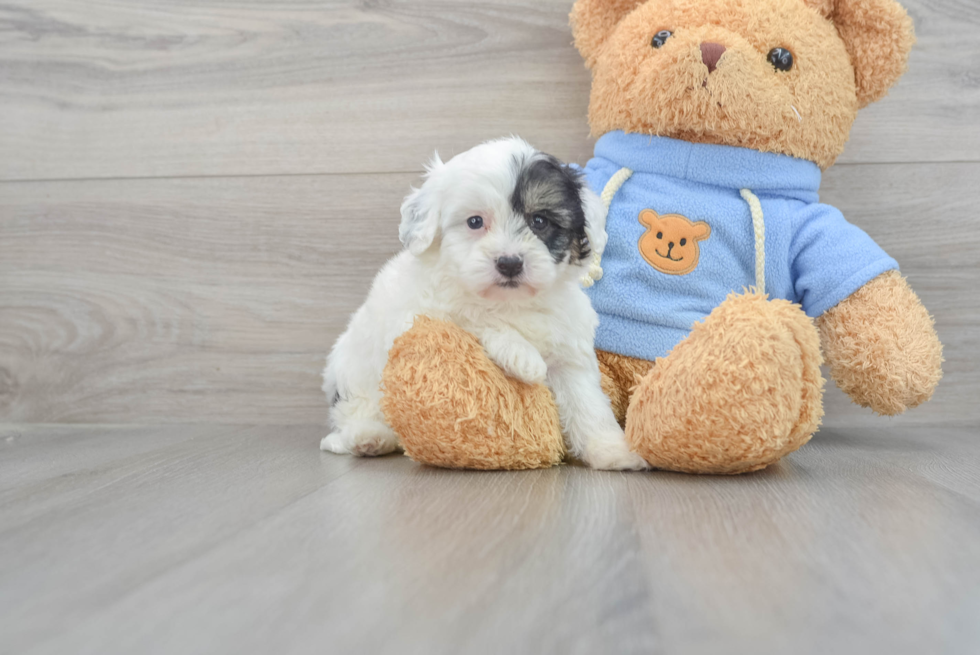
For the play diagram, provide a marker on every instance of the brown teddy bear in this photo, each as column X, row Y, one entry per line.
column 724, row 278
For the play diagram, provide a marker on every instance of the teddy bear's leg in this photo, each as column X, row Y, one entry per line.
column 882, row 347
column 738, row 393
column 620, row 374
column 453, row 407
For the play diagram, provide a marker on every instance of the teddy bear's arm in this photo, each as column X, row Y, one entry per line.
column 882, row 347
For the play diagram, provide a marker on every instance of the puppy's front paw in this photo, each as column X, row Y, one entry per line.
column 613, row 455
column 519, row 360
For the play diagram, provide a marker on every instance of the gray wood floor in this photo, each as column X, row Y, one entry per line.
column 225, row 539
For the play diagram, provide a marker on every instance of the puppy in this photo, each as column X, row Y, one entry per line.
column 496, row 242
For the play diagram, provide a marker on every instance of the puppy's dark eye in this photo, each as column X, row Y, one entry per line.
column 781, row 59
column 660, row 235
column 474, row 222
column 683, row 242
column 538, row 222
column 660, row 38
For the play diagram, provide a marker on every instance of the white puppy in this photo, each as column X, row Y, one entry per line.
column 496, row 242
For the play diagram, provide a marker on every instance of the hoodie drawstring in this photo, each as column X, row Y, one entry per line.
column 608, row 193
column 759, row 226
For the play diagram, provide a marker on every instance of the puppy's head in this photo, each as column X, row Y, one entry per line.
column 508, row 221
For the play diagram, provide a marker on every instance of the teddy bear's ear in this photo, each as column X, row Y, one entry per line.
column 593, row 20
column 878, row 35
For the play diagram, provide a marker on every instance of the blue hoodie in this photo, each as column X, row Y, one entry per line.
column 647, row 301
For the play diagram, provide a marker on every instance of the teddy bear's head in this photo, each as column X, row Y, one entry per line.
column 784, row 76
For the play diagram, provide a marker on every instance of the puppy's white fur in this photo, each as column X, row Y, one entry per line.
column 538, row 327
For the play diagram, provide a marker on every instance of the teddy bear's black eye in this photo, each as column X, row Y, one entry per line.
column 660, row 38
column 683, row 242
column 660, row 235
column 474, row 222
column 781, row 59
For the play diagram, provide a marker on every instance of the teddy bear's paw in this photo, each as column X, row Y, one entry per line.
column 613, row 455
column 882, row 347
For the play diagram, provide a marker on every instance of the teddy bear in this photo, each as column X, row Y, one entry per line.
column 724, row 283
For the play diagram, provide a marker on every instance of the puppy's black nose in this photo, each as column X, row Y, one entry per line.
column 510, row 266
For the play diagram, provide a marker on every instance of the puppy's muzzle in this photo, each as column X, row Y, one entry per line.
column 510, row 267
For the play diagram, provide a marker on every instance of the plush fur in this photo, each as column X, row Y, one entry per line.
column 882, row 346
column 455, row 408
column 496, row 241
column 744, row 388
column 620, row 376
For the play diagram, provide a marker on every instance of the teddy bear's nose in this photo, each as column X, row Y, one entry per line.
column 710, row 54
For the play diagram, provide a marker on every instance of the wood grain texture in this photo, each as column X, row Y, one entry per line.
column 216, row 299
column 224, row 539
column 200, row 296
column 290, row 132
column 136, row 88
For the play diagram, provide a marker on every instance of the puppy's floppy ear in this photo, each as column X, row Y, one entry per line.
column 420, row 213
column 878, row 35
column 593, row 20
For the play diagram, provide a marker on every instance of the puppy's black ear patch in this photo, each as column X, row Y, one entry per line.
column 549, row 189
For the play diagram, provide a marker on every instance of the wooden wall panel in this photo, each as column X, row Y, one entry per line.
column 139, row 88
column 194, row 195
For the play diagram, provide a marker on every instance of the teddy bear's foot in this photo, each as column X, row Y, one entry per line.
column 742, row 390
column 453, row 407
